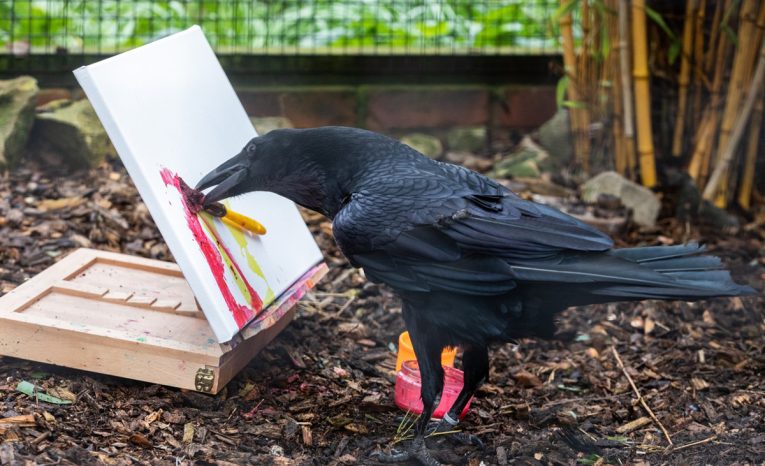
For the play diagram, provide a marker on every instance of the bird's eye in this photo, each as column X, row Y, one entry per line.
column 250, row 148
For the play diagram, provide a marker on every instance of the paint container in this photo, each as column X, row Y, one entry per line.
column 408, row 383
column 406, row 353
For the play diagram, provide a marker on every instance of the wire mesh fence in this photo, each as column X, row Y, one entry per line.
column 279, row 27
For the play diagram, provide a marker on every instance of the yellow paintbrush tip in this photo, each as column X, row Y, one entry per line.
column 244, row 222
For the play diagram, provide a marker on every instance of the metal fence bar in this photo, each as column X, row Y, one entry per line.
column 79, row 28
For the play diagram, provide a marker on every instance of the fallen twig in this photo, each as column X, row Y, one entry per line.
column 639, row 396
column 698, row 442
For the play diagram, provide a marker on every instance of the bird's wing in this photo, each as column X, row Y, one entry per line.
column 475, row 213
column 429, row 232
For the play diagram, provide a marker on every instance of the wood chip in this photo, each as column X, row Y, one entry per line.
column 699, row 384
column 307, row 436
column 27, row 420
column 188, row 433
column 633, row 425
column 649, row 325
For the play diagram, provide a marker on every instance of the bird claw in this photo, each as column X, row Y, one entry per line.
column 418, row 451
column 468, row 440
column 460, row 437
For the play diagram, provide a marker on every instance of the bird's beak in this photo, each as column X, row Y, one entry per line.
column 229, row 178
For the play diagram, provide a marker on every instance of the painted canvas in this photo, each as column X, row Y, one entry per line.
column 173, row 116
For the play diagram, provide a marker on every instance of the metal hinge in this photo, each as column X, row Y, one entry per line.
column 204, row 380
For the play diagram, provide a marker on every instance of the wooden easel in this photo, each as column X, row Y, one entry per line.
column 132, row 317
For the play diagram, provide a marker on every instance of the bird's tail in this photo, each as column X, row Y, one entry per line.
column 688, row 274
column 659, row 272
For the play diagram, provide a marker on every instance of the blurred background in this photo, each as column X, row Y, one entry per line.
column 641, row 117
column 664, row 93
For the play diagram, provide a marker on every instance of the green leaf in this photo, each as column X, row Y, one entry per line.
column 574, row 104
column 656, row 17
column 731, row 34
column 674, row 52
column 563, row 10
column 34, row 391
column 560, row 91
column 592, row 458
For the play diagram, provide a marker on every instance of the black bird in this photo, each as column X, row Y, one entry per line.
column 473, row 263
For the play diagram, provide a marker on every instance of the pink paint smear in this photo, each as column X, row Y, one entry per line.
column 192, row 202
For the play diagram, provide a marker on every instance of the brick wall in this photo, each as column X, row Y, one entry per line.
column 504, row 110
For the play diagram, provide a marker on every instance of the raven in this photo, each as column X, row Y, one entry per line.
column 473, row 263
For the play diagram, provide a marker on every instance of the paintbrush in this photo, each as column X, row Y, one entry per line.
column 195, row 201
column 217, row 209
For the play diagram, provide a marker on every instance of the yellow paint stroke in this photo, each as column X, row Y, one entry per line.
column 241, row 240
column 229, row 261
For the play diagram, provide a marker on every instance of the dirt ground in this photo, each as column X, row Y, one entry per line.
column 321, row 393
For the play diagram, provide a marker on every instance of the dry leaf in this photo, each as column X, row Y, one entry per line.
column 63, row 393
column 356, row 428
column 151, row 417
column 527, row 379
column 63, row 203
column 140, row 440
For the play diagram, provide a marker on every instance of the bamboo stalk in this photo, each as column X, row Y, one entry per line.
column 738, row 82
column 718, row 176
column 704, row 137
column 750, row 162
column 759, row 30
column 585, row 80
column 579, row 123
column 616, row 100
column 698, row 62
column 685, row 77
column 709, row 59
column 642, row 95
column 705, row 152
column 626, row 86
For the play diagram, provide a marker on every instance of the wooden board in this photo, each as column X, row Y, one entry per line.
column 132, row 317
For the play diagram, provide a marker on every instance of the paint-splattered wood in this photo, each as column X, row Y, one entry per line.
column 131, row 317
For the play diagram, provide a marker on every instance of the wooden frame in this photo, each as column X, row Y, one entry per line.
column 132, row 317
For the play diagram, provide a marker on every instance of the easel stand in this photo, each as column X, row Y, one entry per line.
column 132, row 317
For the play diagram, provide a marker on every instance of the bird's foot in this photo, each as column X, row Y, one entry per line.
column 417, row 451
column 448, row 428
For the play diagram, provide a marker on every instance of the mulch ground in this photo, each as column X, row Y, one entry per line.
column 321, row 393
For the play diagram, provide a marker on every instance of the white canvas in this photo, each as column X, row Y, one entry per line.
column 169, row 106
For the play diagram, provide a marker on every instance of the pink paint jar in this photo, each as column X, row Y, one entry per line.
column 408, row 384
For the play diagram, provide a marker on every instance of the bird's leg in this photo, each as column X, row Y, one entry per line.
column 475, row 362
column 428, row 353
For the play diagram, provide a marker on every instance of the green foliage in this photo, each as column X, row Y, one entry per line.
column 675, row 46
column 244, row 26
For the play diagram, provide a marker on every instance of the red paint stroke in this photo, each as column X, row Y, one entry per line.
column 193, row 201
column 255, row 298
